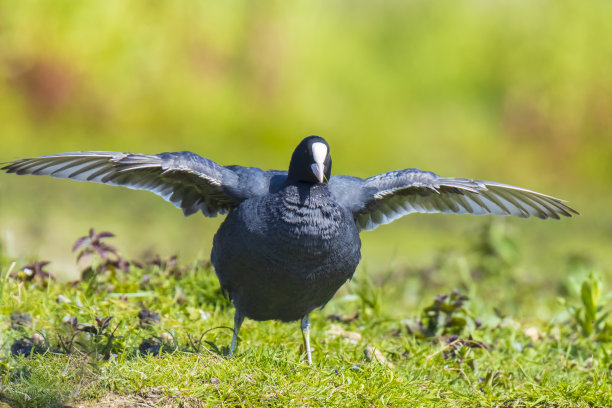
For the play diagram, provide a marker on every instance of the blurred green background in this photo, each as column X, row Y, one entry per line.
column 512, row 91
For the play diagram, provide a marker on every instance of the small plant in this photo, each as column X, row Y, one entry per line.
column 590, row 317
column 147, row 318
column 34, row 272
column 92, row 244
column 98, row 259
column 26, row 346
column 94, row 339
column 169, row 266
column 20, row 321
column 164, row 343
column 445, row 316
column 370, row 295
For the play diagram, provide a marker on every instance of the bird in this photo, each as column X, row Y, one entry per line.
column 291, row 238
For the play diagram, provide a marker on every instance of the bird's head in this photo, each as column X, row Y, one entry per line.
column 311, row 161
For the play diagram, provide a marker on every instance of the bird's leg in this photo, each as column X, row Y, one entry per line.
column 238, row 319
column 306, row 337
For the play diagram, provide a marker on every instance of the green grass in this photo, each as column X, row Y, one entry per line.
column 370, row 348
column 270, row 375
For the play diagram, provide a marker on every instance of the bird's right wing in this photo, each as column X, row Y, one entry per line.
column 190, row 182
column 385, row 197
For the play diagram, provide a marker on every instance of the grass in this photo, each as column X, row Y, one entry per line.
column 151, row 331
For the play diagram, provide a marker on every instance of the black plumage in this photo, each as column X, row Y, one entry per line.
column 290, row 239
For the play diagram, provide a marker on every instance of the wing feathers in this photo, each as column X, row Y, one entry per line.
column 388, row 196
column 188, row 181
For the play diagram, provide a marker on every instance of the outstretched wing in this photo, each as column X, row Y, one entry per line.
column 190, row 182
column 386, row 197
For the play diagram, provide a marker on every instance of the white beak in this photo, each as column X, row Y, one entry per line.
column 319, row 171
column 319, row 153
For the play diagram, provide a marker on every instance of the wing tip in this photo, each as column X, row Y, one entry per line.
column 12, row 166
column 572, row 210
column 565, row 210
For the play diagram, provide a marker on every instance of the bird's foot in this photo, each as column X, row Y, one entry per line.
column 306, row 337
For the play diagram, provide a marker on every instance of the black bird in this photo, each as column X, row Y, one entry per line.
column 291, row 238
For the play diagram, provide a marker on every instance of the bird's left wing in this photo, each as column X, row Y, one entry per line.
column 385, row 197
column 190, row 182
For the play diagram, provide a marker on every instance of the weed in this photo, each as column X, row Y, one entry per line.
column 591, row 316
column 35, row 273
column 447, row 315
